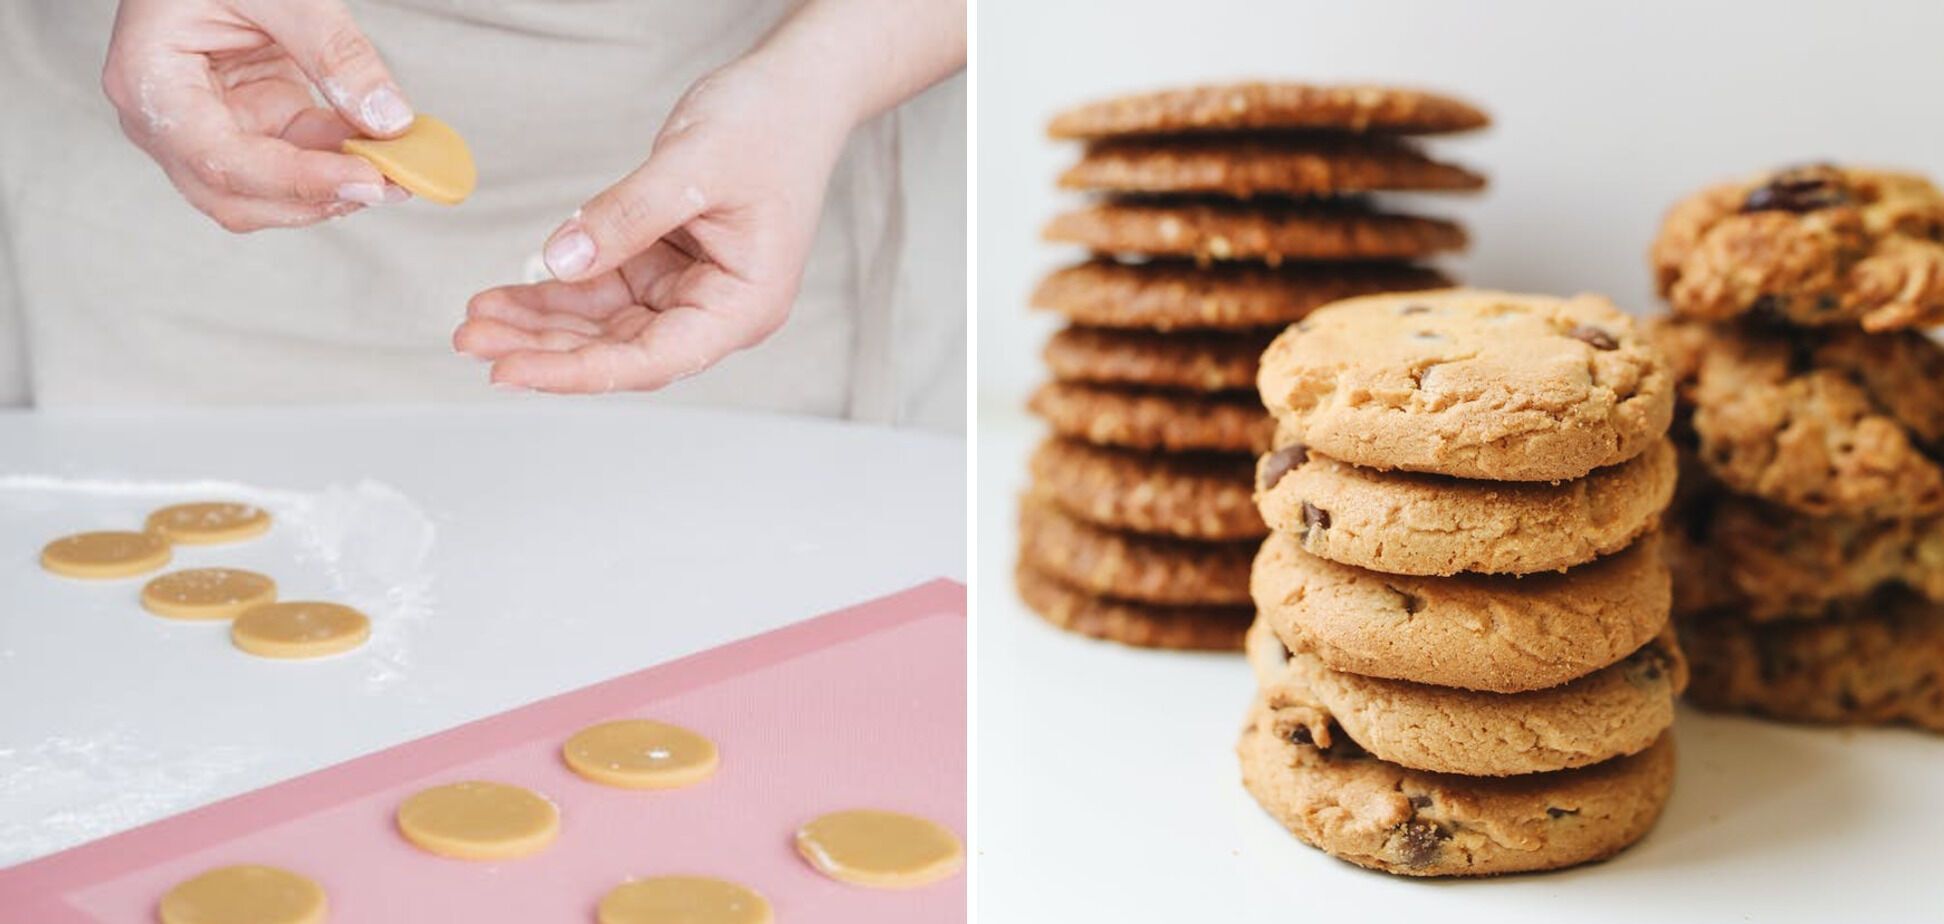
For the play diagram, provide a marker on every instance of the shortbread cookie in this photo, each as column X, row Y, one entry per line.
column 1188, row 496
column 1834, row 422
column 1168, row 295
column 1411, row 523
column 1812, row 245
column 1131, row 567
column 1875, row 661
column 1146, row 625
column 1208, row 361
column 1215, row 230
column 1497, row 633
column 1146, row 419
column 1243, row 166
column 1415, row 823
column 1470, row 383
column 1620, row 709
column 1257, row 106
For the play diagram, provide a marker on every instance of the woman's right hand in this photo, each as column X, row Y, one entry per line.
column 218, row 92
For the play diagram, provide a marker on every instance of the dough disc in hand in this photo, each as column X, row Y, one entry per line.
column 244, row 895
column 683, row 900
column 207, row 593
column 430, row 159
column 209, row 522
column 479, row 820
column 886, row 850
column 640, row 754
column 299, row 629
column 105, row 555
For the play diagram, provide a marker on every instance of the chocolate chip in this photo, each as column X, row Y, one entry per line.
column 1418, row 842
column 1280, row 462
column 1412, row 602
column 1594, row 337
column 1798, row 189
column 1421, row 800
column 1302, row 735
column 1315, row 517
column 1556, row 812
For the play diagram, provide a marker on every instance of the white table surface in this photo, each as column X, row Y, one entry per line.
column 565, row 543
column 1108, row 791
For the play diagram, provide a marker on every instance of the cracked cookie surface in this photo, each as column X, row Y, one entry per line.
column 1215, row 230
column 1250, row 165
column 1168, row 295
column 1497, row 633
column 1382, row 816
column 1470, row 383
column 1145, row 625
column 1258, row 105
column 1126, row 566
column 1198, row 496
column 1137, row 418
column 1411, row 523
column 1811, row 245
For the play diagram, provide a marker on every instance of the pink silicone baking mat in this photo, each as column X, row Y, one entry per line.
column 864, row 707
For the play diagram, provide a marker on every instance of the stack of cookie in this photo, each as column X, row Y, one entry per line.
column 1809, row 558
column 1462, row 649
column 1221, row 215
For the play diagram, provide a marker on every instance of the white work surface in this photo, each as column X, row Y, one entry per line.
column 1108, row 790
column 504, row 555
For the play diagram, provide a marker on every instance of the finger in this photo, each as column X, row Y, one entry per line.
column 677, row 344
column 498, row 306
column 487, row 338
column 241, row 215
column 593, row 299
column 630, row 216
column 335, row 54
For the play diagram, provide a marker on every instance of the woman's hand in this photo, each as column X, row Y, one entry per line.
column 218, row 92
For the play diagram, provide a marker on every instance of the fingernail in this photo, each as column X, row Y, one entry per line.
column 570, row 252
column 364, row 193
column 384, row 110
column 395, row 194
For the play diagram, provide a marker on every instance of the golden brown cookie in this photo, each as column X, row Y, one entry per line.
column 1213, row 361
column 1497, row 633
column 1200, row 496
column 1256, row 106
column 1828, row 422
column 1126, row 566
column 1812, row 245
column 1470, row 383
column 1243, row 166
column 1876, row 661
column 1211, row 231
column 1411, row 523
column 1619, row 709
column 1414, row 823
column 1154, row 420
column 1145, row 625
column 1168, row 295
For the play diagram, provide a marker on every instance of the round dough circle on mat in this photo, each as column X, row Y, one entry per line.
column 244, row 894
column 479, row 820
column 209, row 522
column 207, row 593
column 299, row 629
column 105, row 555
column 886, row 850
column 640, row 754
column 683, row 900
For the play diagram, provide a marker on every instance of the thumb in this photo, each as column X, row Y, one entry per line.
column 628, row 217
column 328, row 46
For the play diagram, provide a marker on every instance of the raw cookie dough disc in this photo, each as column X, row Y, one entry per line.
column 244, row 895
column 430, row 159
column 299, row 629
column 683, row 900
column 1145, row 625
column 479, row 820
column 207, row 593
column 640, row 754
column 885, row 850
column 104, row 555
column 209, row 522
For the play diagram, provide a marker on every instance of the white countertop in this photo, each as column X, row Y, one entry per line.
column 505, row 554
column 1108, row 791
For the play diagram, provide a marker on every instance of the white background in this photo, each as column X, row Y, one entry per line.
column 1107, row 784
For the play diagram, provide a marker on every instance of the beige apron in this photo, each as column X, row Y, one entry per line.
column 114, row 291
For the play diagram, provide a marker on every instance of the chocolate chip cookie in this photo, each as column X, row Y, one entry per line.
column 1198, row 496
column 1496, row 633
column 1258, row 106
column 1146, row 625
column 1212, row 361
column 1152, row 419
column 1219, row 230
column 1620, row 709
column 1813, row 245
column 1832, row 422
column 1169, row 295
column 1245, row 166
column 1411, row 523
column 1125, row 566
column 1379, row 815
column 1470, row 383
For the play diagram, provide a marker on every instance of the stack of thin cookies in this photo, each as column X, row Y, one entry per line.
column 1462, row 649
column 1809, row 564
column 1222, row 214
